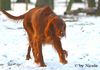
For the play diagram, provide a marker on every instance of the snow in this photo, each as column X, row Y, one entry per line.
column 82, row 43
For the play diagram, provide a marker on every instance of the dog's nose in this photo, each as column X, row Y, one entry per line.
column 62, row 34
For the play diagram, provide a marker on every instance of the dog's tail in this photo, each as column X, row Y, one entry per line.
column 11, row 16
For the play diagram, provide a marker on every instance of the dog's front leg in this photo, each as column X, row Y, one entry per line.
column 38, row 51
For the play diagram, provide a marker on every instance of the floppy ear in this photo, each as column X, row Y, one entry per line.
column 49, row 30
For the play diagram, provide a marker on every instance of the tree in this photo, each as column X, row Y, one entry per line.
column 98, row 8
column 77, row 0
column 40, row 3
column 23, row 1
column 5, row 4
column 91, row 3
column 68, row 9
column 26, row 1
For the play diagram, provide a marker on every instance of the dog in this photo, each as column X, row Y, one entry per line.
column 43, row 26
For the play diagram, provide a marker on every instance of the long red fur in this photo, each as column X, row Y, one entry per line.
column 42, row 27
column 13, row 17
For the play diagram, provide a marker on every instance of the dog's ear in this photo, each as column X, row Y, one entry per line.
column 48, row 29
column 51, row 30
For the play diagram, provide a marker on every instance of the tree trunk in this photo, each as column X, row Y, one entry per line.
column 40, row 3
column 26, row 1
column 98, row 8
column 70, row 5
column 23, row 1
column 77, row 0
column 68, row 9
column 5, row 4
column 91, row 3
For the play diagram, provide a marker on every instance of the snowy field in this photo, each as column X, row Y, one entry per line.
column 82, row 43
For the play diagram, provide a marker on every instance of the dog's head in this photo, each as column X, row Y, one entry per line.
column 58, row 26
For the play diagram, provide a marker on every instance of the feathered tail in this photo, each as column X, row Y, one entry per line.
column 11, row 16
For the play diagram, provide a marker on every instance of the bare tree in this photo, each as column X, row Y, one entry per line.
column 91, row 3
column 77, row 0
column 23, row 1
column 68, row 8
column 98, row 8
column 26, row 1
column 40, row 3
column 5, row 4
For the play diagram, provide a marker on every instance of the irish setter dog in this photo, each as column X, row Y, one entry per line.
column 43, row 26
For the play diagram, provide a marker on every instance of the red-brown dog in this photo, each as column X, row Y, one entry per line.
column 42, row 26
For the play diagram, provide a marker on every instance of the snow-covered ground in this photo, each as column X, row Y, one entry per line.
column 82, row 43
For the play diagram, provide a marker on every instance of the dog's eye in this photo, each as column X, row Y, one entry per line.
column 61, row 32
